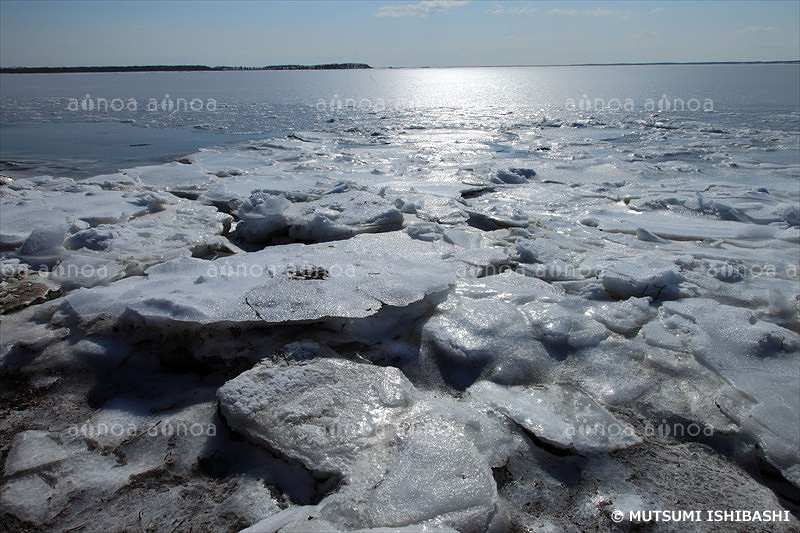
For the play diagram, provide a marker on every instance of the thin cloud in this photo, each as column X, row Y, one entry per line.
column 658, row 9
column 598, row 12
column 643, row 35
column 420, row 9
column 524, row 9
column 760, row 29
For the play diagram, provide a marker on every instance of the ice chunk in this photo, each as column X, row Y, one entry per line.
column 403, row 461
column 642, row 276
column 435, row 476
column 758, row 358
column 306, row 519
column 482, row 330
column 424, row 231
column 323, row 413
column 261, row 217
column 557, row 325
column 43, row 247
column 232, row 191
column 509, row 176
column 472, row 337
column 182, row 229
column 61, row 208
column 624, row 317
column 352, row 278
column 724, row 271
column 511, row 287
column 646, row 236
column 492, row 211
column 87, row 269
column 230, row 162
column 333, row 217
column 480, row 254
column 28, row 498
column 113, row 182
column 342, row 215
column 561, row 416
column 290, row 520
column 440, row 209
column 176, row 177
column 675, row 227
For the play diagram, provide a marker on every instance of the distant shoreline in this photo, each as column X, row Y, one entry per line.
column 345, row 66
column 175, row 68
column 787, row 62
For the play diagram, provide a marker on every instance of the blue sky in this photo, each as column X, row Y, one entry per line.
column 394, row 33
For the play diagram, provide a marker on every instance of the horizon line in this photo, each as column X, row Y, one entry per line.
column 336, row 66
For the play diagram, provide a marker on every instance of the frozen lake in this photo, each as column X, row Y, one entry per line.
column 479, row 299
column 266, row 103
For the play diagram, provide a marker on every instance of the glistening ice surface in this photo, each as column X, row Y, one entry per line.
column 418, row 300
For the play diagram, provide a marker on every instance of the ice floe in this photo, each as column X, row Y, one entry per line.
column 291, row 283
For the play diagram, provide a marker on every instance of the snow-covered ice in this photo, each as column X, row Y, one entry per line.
column 291, row 283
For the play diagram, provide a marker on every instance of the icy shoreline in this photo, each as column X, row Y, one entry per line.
column 425, row 329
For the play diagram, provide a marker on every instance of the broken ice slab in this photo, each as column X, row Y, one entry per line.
column 306, row 518
column 350, row 279
column 324, row 413
column 723, row 202
column 182, row 229
column 559, row 415
column 639, row 276
column 503, row 328
column 428, row 207
column 34, row 449
column 673, row 226
column 89, row 205
column 224, row 162
column 341, row 215
column 513, row 176
column 758, row 358
column 234, row 190
column 557, row 325
column 489, row 337
column 623, row 317
column 490, row 213
column 43, row 247
column 186, row 180
column 436, row 476
column 403, row 462
column 334, row 216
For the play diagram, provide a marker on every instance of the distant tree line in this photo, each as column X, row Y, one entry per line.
column 328, row 66
column 174, row 68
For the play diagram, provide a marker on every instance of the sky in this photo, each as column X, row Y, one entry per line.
column 394, row 33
